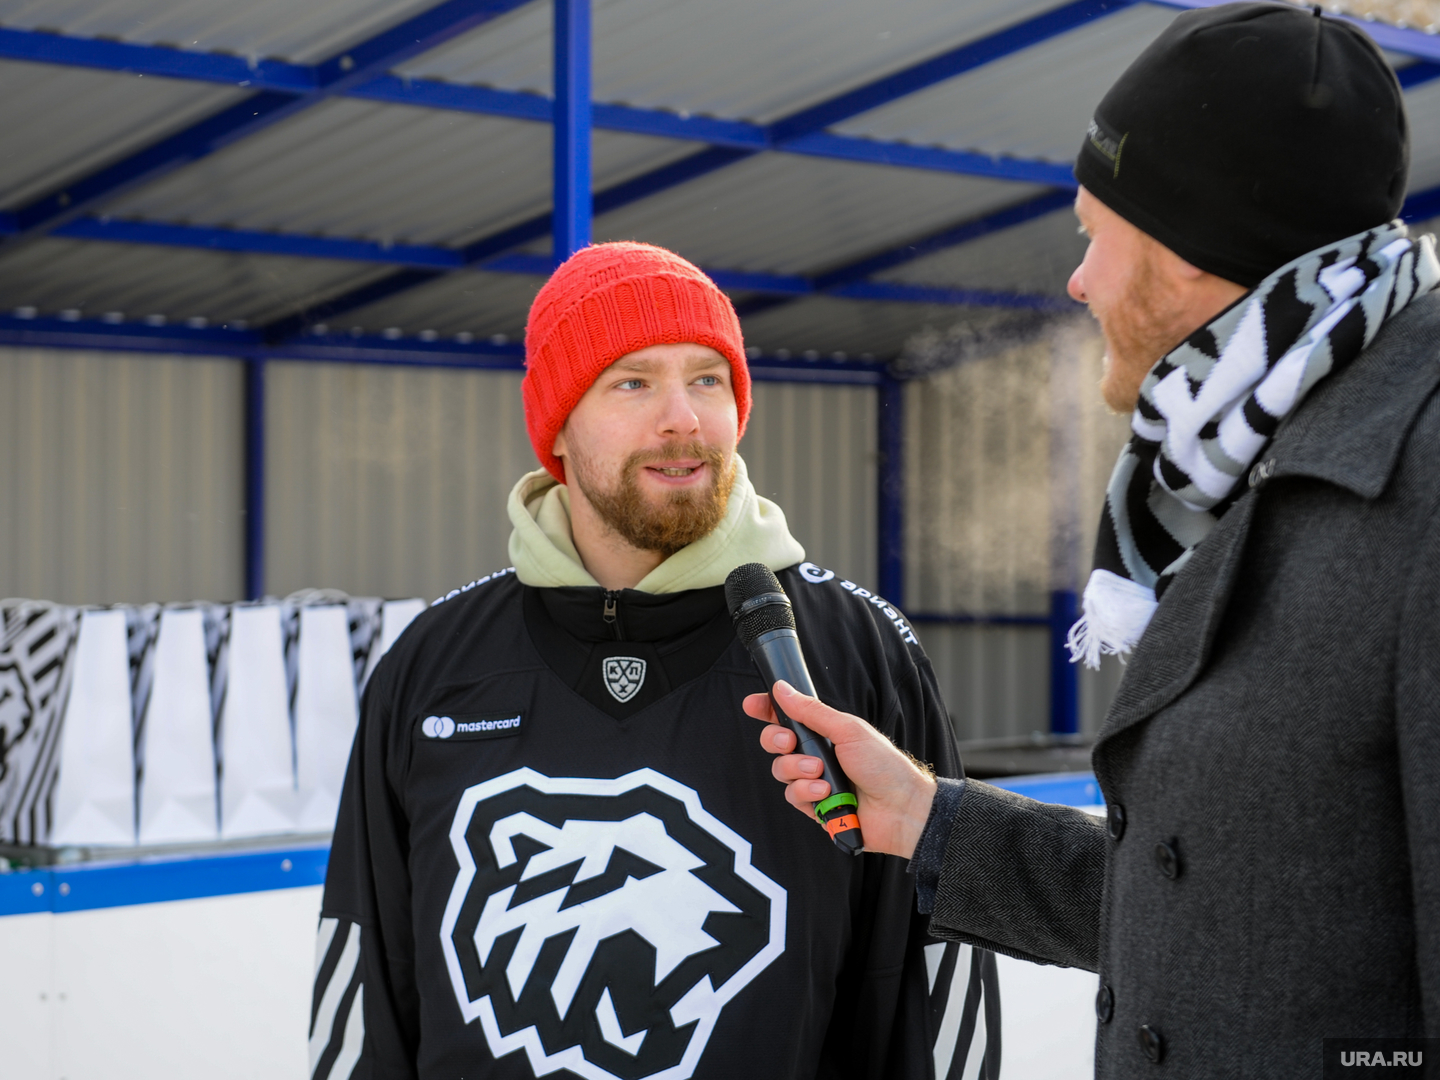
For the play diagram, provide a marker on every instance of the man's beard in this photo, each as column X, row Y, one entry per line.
column 1139, row 328
column 681, row 517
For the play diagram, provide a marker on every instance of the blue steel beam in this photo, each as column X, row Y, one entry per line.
column 279, row 75
column 570, row 223
column 426, row 262
column 247, row 345
column 1417, row 74
column 336, row 75
column 99, row 54
column 890, row 490
column 254, row 477
column 1422, row 205
column 286, row 78
column 963, row 233
column 1064, row 672
column 534, row 228
column 947, row 65
column 950, row 64
column 972, row 229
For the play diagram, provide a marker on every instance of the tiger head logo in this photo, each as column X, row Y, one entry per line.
column 579, row 930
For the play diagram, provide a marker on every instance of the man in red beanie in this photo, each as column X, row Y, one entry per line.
column 554, row 850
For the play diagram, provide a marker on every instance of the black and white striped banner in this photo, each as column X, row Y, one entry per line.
column 157, row 724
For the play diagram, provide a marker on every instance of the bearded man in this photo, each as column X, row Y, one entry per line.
column 554, row 852
column 1267, row 878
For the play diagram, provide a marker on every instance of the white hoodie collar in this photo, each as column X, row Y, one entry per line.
column 542, row 546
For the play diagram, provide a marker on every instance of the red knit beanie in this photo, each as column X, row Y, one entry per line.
column 609, row 300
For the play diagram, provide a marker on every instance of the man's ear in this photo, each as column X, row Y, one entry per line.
column 558, row 447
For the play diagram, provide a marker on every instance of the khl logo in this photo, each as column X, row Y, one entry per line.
column 624, row 676
column 602, row 926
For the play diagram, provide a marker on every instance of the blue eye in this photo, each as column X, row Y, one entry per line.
column 631, row 384
column 709, row 380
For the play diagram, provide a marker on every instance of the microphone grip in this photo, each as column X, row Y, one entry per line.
column 777, row 654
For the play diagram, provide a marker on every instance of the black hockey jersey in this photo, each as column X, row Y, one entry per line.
column 560, row 852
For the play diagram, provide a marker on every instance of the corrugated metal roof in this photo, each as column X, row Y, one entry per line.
column 795, row 215
column 1034, row 104
column 303, row 32
column 756, row 59
column 93, row 279
column 351, row 168
column 821, row 326
column 61, row 123
column 1423, row 105
column 468, row 302
column 1038, row 256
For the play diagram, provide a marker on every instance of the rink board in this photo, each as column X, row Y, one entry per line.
column 201, row 967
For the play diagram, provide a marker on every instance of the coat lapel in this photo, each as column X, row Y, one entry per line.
column 1349, row 432
column 1177, row 642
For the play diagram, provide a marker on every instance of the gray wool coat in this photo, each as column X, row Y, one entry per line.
column 1269, row 873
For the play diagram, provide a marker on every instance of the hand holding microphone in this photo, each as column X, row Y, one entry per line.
column 765, row 624
column 890, row 791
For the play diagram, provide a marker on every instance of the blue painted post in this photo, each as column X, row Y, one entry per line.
column 1064, row 676
column 1067, row 384
column 254, row 477
column 890, row 501
column 572, row 213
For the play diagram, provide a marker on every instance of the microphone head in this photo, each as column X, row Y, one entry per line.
column 757, row 602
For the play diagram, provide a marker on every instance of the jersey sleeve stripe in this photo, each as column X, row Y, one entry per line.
column 337, row 987
column 323, row 938
column 952, row 981
column 965, row 1014
column 330, row 941
column 349, row 1055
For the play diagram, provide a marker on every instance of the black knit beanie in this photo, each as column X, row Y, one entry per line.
column 1248, row 134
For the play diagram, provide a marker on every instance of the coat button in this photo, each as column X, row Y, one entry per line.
column 1262, row 472
column 1104, row 1004
column 1168, row 859
column 1115, row 820
column 1152, row 1042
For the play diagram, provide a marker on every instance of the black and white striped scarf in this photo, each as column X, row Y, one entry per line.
column 1211, row 405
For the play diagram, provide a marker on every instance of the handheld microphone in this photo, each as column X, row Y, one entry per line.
column 765, row 624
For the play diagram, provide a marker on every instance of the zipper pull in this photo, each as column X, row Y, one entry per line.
column 612, row 605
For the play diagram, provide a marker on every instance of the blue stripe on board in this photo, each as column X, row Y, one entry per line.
column 88, row 887
column 1067, row 789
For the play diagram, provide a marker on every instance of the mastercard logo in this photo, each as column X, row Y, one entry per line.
column 438, row 727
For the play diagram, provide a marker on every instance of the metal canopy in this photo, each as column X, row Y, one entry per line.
column 390, row 182
column 384, row 171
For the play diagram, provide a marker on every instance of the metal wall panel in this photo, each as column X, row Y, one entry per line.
column 392, row 481
column 1007, row 458
column 120, row 477
column 389, row 481
column 811, row 449
column 996, row 680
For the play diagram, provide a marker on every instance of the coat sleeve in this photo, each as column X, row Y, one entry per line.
column 1417, row 721
column 364, row 1016
column 1023, row 878
column 909, row 1004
